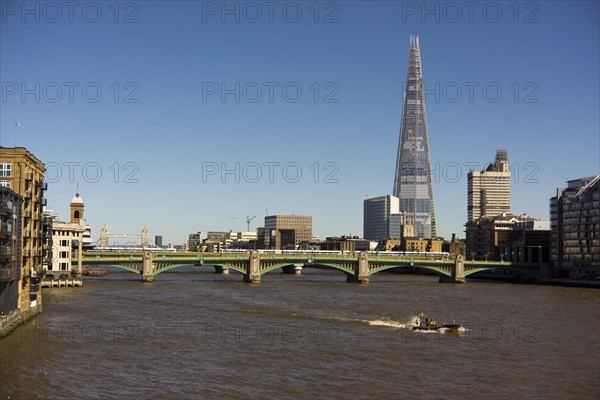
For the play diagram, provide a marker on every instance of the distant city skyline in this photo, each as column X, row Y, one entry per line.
column 178, row 121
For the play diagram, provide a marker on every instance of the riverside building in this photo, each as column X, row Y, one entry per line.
column 24, row 174
column 488, row 191
column 575, row 229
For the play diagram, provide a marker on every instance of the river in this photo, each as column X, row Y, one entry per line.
column 196, row 334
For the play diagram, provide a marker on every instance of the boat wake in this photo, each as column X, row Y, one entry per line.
column 390, row 323
column 386, row 322
column 376, row 322
column 409, row 324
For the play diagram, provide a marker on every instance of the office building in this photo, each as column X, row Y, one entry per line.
column 346, row 243
column 242, row 240
column 287, row 231
column 208, row 241
column 412, row 183
column 508, row 237
column 575, row 229
column 382, row 219
column 488, row 191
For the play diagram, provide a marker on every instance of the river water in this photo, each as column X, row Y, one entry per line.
column 196, row 334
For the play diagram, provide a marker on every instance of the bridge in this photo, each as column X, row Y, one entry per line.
column 252, row 265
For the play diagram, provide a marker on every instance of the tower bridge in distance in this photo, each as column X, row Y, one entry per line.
column 358, row 267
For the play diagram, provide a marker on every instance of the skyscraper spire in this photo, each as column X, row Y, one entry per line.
column 412, row 183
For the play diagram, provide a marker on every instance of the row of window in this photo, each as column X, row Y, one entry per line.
column 65, row 233
column 62, row 266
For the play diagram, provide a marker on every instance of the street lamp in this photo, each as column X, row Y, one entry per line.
column 17, row 124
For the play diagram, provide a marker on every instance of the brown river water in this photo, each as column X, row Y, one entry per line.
column 194, row 334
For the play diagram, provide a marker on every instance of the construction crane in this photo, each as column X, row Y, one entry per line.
column 248, row 219
column 267, row 212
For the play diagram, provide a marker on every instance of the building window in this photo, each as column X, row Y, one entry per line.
column 5, row 183
column 5, row 168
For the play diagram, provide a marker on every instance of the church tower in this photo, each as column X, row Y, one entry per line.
column 76, row 208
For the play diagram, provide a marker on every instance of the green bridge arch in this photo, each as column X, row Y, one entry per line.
column 125, row 267
column 438, row 270
column 232, row 267
column 274, row 267
column 173, row 266
column 305, row 265
column 345, row 270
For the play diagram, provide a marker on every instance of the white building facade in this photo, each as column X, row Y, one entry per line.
column 68, row 237
column 488, row 192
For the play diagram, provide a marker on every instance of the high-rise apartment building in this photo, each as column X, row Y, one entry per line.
column 412, row 184
column 488, row 192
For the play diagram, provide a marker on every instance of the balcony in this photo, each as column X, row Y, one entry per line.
column 5, row 229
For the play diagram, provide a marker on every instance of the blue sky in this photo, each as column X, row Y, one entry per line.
column 162, row 100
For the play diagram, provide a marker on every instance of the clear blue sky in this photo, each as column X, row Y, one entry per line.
column 174, row 59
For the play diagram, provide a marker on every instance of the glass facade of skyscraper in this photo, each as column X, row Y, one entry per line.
column 412, row 184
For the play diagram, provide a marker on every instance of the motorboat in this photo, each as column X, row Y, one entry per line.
column 423, row 323
column 452, row 328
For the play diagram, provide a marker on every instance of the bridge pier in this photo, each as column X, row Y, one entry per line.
column 147, row 267
column 458, row 272
column 357, row 279
column 221, row 270
column 288, row 269
column 79, row 272
column 295, row 269
column 361, row 271
column 253, row 273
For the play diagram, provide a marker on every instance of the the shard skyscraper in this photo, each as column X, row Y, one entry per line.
column 413, row 166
